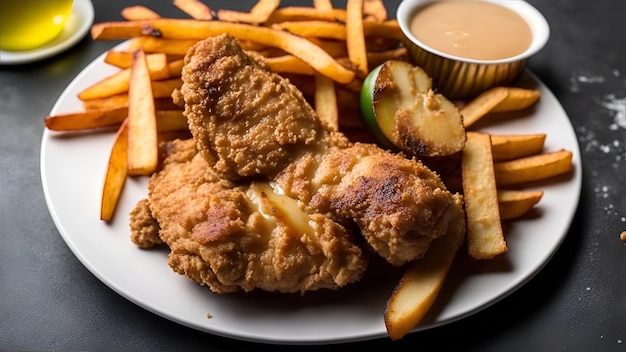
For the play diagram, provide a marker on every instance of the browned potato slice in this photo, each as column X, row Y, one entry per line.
column 420, row 285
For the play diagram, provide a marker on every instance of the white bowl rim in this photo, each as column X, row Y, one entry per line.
column 537, row 22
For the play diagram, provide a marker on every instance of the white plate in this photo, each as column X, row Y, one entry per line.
column 78, row 24
column 72, row 169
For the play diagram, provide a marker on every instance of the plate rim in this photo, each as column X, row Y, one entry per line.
column 577, row 178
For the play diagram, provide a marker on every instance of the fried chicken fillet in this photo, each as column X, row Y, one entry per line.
column 265, row 197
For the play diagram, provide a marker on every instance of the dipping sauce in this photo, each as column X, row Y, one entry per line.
column 472, row 29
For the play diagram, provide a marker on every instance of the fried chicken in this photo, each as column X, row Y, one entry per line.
column 265, row 197
column 232, row 236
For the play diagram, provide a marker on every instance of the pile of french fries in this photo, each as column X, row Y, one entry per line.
column 326, row 52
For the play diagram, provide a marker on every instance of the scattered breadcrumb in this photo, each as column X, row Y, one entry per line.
column 209, row 316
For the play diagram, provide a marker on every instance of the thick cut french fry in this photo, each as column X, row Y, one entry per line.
column 482, row 105
column 355, row 37
column 514, row 203
column 326, row 102
column 138, row 13
column 196, row 9
column 517, row 99
column 420, row 285
column 533, row 168
column 116, row 174
column 513, row 146
column 84, row 120
column 485, row 238
column 142, row 150
column 118, row 82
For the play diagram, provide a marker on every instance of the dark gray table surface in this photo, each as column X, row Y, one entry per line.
column 50, row 301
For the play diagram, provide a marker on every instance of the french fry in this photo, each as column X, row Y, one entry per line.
column 118, row 82
column 89, row 119
column 121, row 100
column 319, row 29
column 485, row 238
column 196, row 9
column 167, row 120
column 299, row 13
column 512, row 146
column 375, row 10
column 114, row 101
column 164, row 88
column 160, row 45
column 142, row 149
column 376, row 58
column 175, row 68
column 116, row 30
column 326, row 102
column 387, row 29
column 420, row 285
column 259, row 13
column 116, row 173
column 323, row 5
column 514, row 203
column 138, row 13
column 196, row 30
column 290, row 64
column 171, row 120
column 482, row 105
column 533, row 168
column 120, row 59
column 355, row 36
column 308, row 52
column 517, row 99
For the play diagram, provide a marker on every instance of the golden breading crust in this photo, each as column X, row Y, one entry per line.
column 221, row 235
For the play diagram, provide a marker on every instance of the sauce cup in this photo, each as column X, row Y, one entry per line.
column 458, row 77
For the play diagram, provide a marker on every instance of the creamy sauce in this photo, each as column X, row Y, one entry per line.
column 472, row 29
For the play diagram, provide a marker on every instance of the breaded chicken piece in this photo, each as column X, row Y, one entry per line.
column 243, row 235
column 398, row 204
column 246, row 120
column 250, row 122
